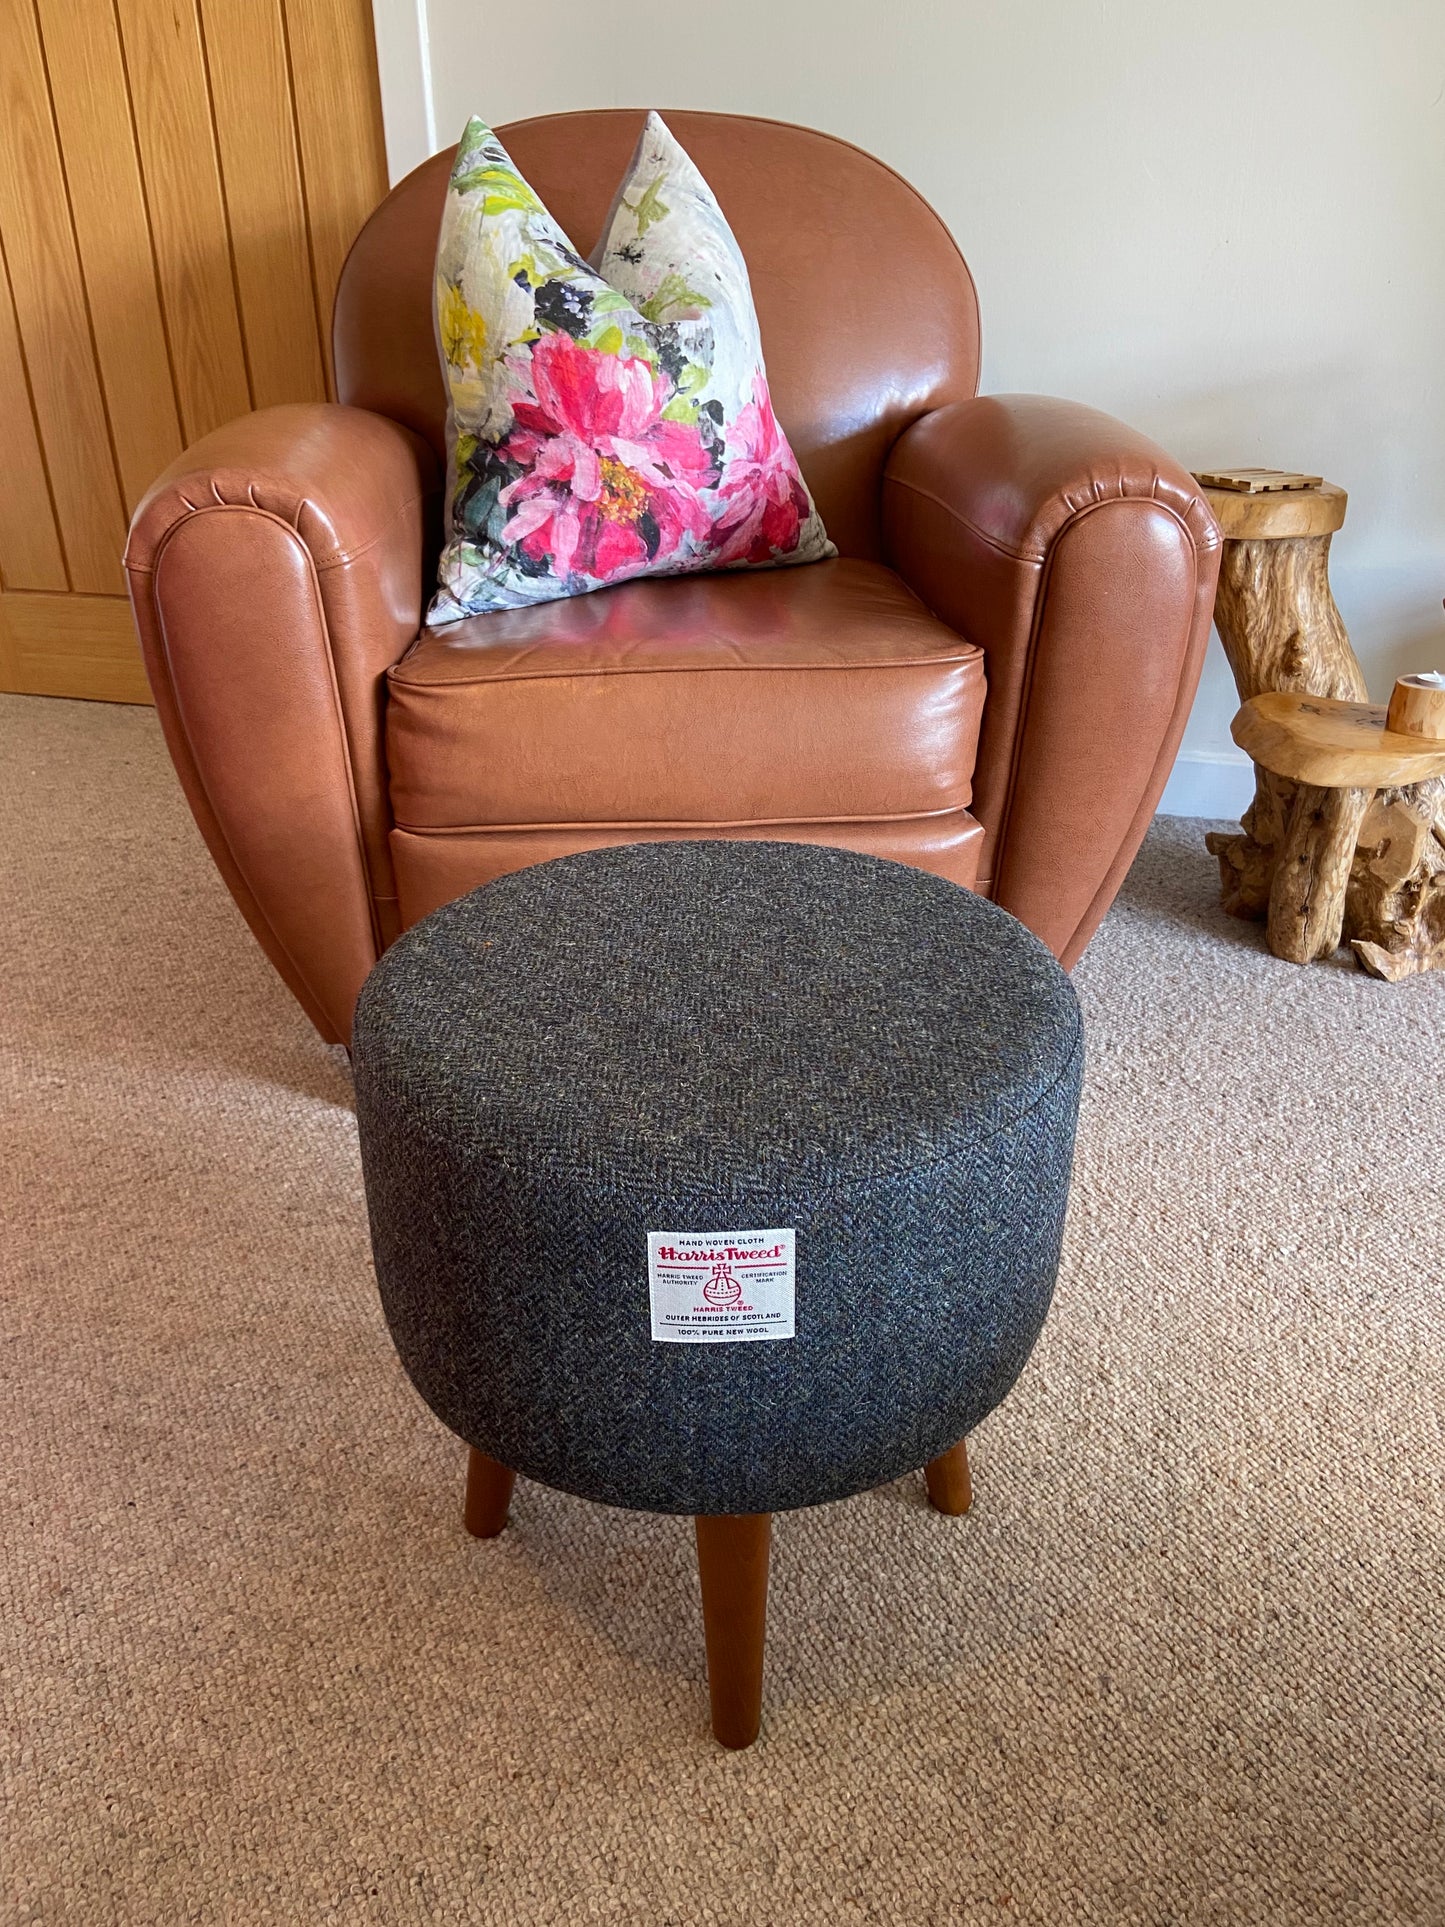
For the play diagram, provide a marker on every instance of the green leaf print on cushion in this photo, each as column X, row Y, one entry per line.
column 483, row 165
column 673, row 300
column 648, row 207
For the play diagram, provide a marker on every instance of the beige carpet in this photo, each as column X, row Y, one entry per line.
column 1183, row 1664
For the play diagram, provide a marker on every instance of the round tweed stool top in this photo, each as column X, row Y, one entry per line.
column 716, row 1177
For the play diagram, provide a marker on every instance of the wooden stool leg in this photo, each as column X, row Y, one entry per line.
column 489, row 1493
column 950, row 1489
column 732, row 1563
column 1307, row 896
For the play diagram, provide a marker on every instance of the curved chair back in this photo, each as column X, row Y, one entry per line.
column 868, row 311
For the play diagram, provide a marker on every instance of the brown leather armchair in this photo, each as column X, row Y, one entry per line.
column 990, row 682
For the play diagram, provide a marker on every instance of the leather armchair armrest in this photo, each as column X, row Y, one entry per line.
column 1082, row 560
column 276, row 573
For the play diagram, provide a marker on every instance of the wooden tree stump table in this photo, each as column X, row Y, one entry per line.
column 1362, row 855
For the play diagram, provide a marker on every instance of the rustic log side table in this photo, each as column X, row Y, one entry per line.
column 1345, row 837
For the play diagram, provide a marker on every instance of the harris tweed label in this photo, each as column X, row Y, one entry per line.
column 720, row 1287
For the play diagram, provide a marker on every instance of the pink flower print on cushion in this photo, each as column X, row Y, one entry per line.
column 765, row 502
column 608, row 486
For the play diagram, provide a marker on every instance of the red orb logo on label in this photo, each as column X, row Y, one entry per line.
column 722, row 1288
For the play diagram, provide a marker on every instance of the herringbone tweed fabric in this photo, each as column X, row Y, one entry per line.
column 705, row 1037
column 1181, row 1666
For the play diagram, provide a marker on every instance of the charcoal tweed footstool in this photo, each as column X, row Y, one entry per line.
column 716, row 1178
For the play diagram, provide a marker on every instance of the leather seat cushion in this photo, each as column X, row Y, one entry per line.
column 789, row 696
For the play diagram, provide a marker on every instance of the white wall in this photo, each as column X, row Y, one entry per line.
column 1226, row 226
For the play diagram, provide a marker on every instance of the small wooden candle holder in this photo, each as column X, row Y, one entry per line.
column 1417, row 707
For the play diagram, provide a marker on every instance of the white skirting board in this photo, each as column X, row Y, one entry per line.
column 1207, row 782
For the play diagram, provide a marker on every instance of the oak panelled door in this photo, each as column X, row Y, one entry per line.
column 179, row 183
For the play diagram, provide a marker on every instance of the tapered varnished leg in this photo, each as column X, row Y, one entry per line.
column 950, row 1489
column 732, row 1563
column 489, row 1493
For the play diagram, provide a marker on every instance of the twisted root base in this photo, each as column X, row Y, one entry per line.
column 733, row 1552
column 1297, row 846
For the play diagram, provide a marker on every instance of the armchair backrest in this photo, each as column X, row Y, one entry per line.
column 868, row 311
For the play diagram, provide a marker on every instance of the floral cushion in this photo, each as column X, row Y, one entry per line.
column 604, row 421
